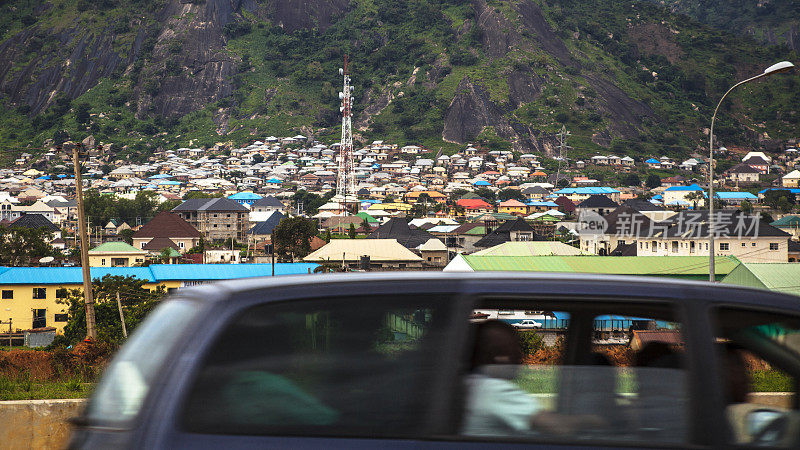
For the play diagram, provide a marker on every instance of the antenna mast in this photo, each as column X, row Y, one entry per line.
column 563, row 148
column 345, row 180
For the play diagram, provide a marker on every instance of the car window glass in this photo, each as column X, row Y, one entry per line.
column 343, row 367
column 626, row 384
column 760, row 363
column 119, row 396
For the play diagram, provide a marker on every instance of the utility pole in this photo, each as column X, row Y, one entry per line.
column 272, row 248
column 91, row 333
column 121, row 317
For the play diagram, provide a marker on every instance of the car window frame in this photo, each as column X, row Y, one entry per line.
column 572, row 342
column 794, row 372
column 167, row 414
column 736, row 298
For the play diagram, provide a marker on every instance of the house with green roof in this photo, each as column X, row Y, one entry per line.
column 116, row 254
column 781, row 277
column 682, row 267
column 789, row 224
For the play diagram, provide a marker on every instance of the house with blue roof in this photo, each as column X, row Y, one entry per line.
column 245, row 198
column 736, row 198
column 28, row 292
column 579, row 194
column 684, row 196
column 653, row 163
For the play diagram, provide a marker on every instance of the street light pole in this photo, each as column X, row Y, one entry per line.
column 780, row 67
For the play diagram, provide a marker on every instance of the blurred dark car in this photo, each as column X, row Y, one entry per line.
column 389, row 360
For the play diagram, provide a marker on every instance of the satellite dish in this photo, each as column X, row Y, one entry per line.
column 351, row 88
column 46, row 259
column 341, row 71
column 341, row 95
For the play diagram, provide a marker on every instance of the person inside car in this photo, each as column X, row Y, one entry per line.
column 496, row 406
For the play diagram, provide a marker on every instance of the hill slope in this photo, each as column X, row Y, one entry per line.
column 163, row 73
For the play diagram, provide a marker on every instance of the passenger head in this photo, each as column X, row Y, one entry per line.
column 735, row 372
column 657, row 354
column 496, row 342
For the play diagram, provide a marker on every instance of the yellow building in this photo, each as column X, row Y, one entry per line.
column 116, row 254
column 514, row 207
column 29, row 296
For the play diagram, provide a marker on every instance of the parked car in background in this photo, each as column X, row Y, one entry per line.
column 527, row 324
column 393, row 360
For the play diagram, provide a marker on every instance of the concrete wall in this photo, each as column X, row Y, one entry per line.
column 39, row 424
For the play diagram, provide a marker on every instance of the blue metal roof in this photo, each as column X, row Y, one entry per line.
column 792, row 190
column 538, row 203
column 587, row 190
column 735, row 195
column 653, row 161
column 154, row 273
column 67, row 275
column 244, row 196
column 693, row 187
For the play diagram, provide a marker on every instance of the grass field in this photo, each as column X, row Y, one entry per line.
column 26, row 389
column 544, row 380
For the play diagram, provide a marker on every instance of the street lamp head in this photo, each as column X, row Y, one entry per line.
column 782, row 66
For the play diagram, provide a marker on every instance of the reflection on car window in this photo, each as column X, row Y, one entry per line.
column 758, row 351
column 128, row 379
column 627, row 385
column 347, row 367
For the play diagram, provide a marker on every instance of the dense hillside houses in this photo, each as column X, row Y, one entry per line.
column 414, row 208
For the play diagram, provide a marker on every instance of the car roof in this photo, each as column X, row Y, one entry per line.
column 484, row 283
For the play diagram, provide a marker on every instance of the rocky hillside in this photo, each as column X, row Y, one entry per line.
column 622, row 76
column 775, row 22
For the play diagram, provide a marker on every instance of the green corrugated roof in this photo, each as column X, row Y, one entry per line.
column 787, row 222
column 619, row 265
column 118, row 247
column 531, row 248
column 477, row 231
column 366, row 216
column 781, row 277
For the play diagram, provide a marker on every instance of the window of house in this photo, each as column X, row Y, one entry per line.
column 724, row 246
column 180, row 245
column 773, row 246
column 61, row 317
column 584, row 371
column 103, row 262
column 8, row 294
column 39, row 293
column 351, row 367
column 62, row 293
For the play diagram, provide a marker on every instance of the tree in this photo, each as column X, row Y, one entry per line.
column 24, row 246
column 457, row 194
column 653, row 181
column 292, row 237
column 507, row 194
column 632, row 180
column 351, row 232
column 257, row 158
column 773, row 198
column 127, row 236
column 746, row 207
column 137, row 301
column 486, row 194
column 82, row 113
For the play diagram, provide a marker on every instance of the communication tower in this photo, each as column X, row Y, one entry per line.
column 345, row 178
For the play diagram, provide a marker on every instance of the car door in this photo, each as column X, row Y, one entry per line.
column 305, row 369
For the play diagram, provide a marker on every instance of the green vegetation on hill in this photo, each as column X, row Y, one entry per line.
column 408, row 60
